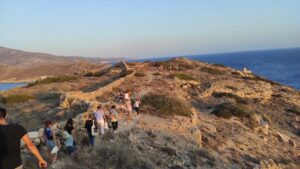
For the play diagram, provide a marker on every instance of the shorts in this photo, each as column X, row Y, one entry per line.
column 51, row 144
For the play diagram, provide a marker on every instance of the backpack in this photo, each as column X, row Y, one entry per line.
column 48, row 134
column 94, row 130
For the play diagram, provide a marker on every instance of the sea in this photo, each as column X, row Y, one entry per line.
column 7, row 86
column 280, row 65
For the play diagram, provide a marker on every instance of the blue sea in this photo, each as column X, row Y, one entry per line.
column 7, row 86
column 281, row 65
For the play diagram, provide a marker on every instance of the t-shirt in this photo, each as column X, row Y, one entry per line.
column 137, row 103
column 10, row 138
column 69, row 142
column 126, row 96
column 113, row 115
column 88, row 125
column 99, row 115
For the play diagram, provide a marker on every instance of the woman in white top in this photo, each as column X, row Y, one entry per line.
column 136, row 105
column 100, row 118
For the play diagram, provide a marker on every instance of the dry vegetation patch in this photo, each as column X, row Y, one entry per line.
column 16, row 98
column 182, row 76
column 237, row 98
column 111, row 155
column 57, row 79
column 139, row 74
column 166, row 105
column 212, row 71
column 228, row 110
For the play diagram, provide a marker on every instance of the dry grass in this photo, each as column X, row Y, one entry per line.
column 139, row 74
column 212, row 71
column 228, row 110
column 156, row 74
column 219, row 65
column 57, row 79
column 237, row 98
column 165, row 105
column 182, row 76
column 294, row 110
column 18, row 98
column 109, row 155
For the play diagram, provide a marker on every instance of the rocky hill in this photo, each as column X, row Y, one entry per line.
column 17, row 65
column 193, row 115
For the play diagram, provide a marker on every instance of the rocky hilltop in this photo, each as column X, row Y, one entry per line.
column 193, row 115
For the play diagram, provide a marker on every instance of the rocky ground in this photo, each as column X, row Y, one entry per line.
column 194, row 115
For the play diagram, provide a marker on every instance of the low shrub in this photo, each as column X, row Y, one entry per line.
column 232, row 88
column 57, row 79
column 212, row 71
column 156, row 74
column 165, row 105
column 219, row 65
column 237, row 98
column 228, row 110
column 126, row 73
column 139, row 74
column 165, row 64
column 182, row 76
column 16, row 98
column 114, row 156
column 259, row 78
column 95, row 74
column 294, row 110
column 236, row 73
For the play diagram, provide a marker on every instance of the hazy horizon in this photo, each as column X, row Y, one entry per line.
column 135, row 29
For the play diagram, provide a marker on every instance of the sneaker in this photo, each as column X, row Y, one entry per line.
column 53, row 165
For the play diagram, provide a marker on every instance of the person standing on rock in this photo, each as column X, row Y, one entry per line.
column 100, row 118
column 10, row 137
column 113, row 115
column 51, row 142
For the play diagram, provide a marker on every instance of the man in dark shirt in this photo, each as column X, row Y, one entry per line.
column 10, row 137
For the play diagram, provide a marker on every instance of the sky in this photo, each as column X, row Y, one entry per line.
column 148, row 28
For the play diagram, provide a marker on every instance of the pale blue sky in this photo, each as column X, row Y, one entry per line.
column 148, row 28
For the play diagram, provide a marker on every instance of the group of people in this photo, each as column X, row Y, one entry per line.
column 95, row 124
column 124, row 97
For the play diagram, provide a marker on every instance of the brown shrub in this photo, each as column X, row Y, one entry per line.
column 212, row 71
column 165, row 105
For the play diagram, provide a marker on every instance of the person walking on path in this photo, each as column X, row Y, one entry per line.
column 120, row 96
column 10, row 137
column 70, row 141
column 113, row 115
column 127, row 96
column 51, row 142
column 89, row 123
column 100, row 118
column 136, row 105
